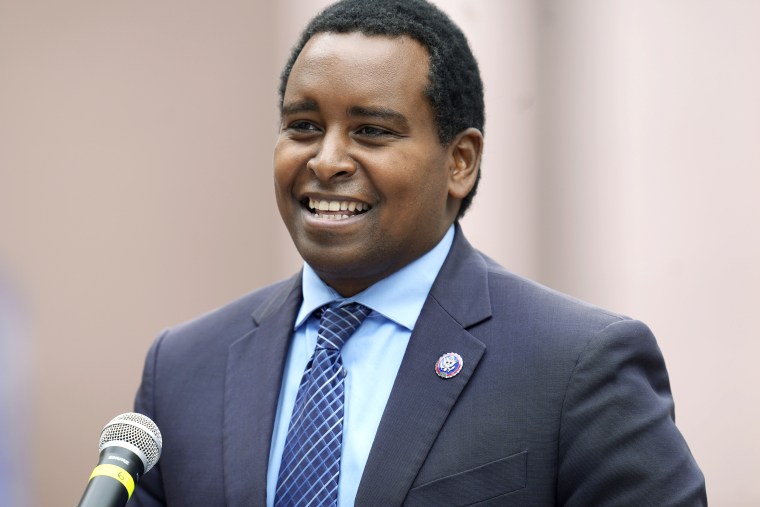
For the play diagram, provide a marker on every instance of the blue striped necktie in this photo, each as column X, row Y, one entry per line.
column 310, row 464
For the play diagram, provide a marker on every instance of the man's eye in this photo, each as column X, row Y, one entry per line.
column 370, row 131
column 302, row 126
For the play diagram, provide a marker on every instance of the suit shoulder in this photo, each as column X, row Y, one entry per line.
column 513, row 293
column 232, row 320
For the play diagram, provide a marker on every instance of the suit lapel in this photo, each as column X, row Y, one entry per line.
column 252, row 387
column 420, row 400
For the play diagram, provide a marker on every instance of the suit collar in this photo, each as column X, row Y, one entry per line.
column 289, row 293
column 252, row 386
column 461, row 287
column 420, row 400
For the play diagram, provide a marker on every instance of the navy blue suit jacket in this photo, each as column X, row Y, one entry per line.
column 558, row 403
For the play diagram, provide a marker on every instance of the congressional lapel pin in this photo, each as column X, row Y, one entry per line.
column 449, row 365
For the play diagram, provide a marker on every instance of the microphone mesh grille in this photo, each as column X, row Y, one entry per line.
column 137, row 430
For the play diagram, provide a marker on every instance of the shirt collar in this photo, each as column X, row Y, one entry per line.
column 398, row 297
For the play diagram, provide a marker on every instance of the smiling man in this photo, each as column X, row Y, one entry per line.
column 402, row 366
column 363, row 181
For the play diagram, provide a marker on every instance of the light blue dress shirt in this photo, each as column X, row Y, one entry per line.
column 371, row 357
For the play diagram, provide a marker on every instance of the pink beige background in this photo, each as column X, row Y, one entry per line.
column 622, row 165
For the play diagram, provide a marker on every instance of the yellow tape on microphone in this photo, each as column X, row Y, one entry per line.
column 117, row 473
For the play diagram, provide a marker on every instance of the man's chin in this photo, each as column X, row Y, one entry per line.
column 345, row 273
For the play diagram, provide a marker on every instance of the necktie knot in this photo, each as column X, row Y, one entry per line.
column 337, row 324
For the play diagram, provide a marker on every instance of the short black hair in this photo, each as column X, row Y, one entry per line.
column 455, row 90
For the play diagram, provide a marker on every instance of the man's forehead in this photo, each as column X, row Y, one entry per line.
column 378, row 64
column 363, row 48
column 352, row 75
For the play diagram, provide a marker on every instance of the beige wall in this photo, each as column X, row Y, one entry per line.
column 622, row 166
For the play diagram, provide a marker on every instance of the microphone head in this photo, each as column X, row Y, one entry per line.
column 135, row 432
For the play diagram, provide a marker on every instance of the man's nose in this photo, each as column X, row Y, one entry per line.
column 333, row 158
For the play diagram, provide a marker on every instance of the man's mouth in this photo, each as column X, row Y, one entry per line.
column 336, row 210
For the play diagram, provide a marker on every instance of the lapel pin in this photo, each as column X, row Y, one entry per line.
column 449, row 365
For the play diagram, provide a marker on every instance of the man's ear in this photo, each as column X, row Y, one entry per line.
column 466, row 151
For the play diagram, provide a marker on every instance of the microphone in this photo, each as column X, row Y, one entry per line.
column 130, row 445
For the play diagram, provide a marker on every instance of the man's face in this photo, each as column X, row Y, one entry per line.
column 361, row 178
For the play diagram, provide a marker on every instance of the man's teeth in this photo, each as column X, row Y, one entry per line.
column 332, row 217
column 337, row 206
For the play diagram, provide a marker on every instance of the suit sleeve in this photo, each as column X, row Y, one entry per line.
column 618, row 442
column 149, row 491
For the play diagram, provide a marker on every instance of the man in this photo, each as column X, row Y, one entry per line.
column 461, row 383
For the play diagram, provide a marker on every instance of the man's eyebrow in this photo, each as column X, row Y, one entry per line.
column 381, row 113
column 302, row 106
